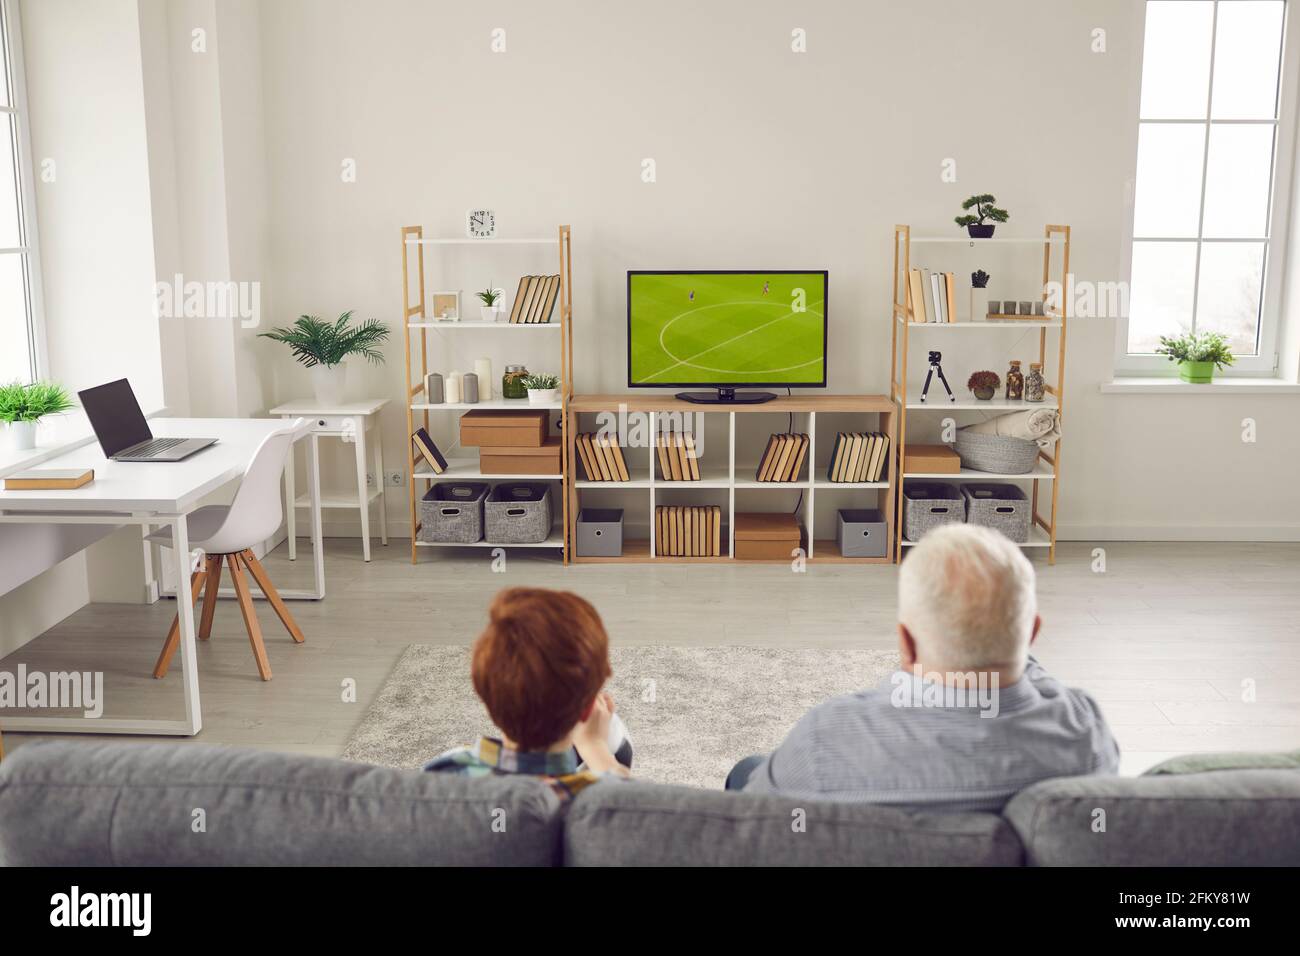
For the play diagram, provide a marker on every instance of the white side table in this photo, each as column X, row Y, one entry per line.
column 349, row 421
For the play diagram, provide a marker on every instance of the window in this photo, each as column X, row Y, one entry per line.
column 21, row 342
column 1203, row 204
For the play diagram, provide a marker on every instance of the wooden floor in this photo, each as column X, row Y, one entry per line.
column 1168, row 638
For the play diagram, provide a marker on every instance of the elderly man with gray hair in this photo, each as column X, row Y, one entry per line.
column 968, row 720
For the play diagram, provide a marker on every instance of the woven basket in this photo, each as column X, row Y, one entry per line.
column 928, row 505
column 1001, row 507
column 453, row 513
column 518, row 513
column 997, row 454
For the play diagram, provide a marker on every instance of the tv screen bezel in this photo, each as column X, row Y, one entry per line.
column 826, row 284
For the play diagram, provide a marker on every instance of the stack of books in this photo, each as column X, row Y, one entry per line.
column 688, row 531
column 783, row 458
column 678, row 459
column 931, row 296
column 535, row 300
column 858, row 456
column 425, row 449
column 602, row 457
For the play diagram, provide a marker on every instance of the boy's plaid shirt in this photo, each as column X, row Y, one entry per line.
column 490, row 757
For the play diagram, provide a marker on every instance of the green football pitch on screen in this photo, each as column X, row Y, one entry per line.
column 742, row 328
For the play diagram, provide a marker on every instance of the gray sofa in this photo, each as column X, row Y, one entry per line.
column 103, row 804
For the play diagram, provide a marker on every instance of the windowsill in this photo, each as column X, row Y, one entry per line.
column 1220, row 386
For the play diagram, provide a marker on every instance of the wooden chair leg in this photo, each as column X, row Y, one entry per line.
column 174, row 635
column 250, row 615
column 272, row 595
column 213, row 570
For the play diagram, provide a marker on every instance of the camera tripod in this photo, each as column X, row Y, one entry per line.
column 935, row 359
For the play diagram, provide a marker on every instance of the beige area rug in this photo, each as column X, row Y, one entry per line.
column 691, row 712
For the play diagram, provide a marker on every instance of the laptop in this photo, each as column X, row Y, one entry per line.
column 122, row 430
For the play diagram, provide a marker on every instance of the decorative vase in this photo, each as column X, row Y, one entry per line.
column 984, row 394
column 20, row 436
column 488, row 313
column 328, row 383
column 512, row 383
column 1197, row 373
column 980, row 231
column 542, row 396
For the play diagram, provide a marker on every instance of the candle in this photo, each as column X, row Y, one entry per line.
column 483, row 369
column 452, row 388
column 469, row 388
column 433, row 388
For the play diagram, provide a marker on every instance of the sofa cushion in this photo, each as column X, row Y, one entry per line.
column 79, row 804
column 1248, row 760
column 624, row 823
column 1221, row 818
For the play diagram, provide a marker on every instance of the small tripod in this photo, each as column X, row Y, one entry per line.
column 935, row 359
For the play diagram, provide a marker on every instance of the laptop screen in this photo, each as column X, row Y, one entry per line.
column 115, row 416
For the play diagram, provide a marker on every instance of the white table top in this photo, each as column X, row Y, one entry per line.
column 309, row 406
column 157, row 486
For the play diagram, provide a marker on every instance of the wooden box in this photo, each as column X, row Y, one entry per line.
column 931, row 460
column 541, row 459
column 521, row 429
column 763, row 536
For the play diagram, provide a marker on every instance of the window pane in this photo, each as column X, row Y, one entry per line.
column 14, row 347
column 4, row 60
column 1247, row 48
column 9, row 232
column 1168, row 193
column 1176, row 60
column 1232, row 275
column 1237, row 182
column 1160, row 292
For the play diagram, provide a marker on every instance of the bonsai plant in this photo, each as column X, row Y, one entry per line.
column 322, row 347
column 487, row 311
column 542, row 388
column 22, row 406
column 983, row 384
column 976, row 225
column 1198, row 354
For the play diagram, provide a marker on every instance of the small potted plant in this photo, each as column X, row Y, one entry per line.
column 979, row 279
column 1198, row 354
column 322, row 347
column 980, row 224
column 542, row 389
column 984, row 384
column 23, row 406
column 488, row 310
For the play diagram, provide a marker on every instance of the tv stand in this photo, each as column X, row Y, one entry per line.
column 726, row 396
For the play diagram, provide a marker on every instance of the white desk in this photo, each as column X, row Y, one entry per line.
column 146, row 494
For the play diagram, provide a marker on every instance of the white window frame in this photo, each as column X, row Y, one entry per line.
column 1266, row 363
column 26, row 172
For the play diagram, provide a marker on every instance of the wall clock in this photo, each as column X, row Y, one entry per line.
column 481, row 224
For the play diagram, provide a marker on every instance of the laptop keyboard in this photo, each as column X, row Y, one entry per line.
column 155, row 446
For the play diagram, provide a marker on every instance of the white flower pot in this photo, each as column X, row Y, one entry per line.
column 543, row 396
column 488, row 313
column 20, row 436
column 328, row 383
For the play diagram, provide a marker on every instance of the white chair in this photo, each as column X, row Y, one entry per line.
column 230, row 532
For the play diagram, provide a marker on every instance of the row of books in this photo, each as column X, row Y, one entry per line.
column 688, row 531
column 602, row 457
column 858, row 456
column 931, row 296
column 783, row 458
column 678, row 460
column 535, row 300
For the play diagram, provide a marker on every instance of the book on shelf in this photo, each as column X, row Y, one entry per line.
column 535, row 300
column 688, row 531
column 931, row 296
column 602, row 457
column 678, row 458
column 783, row 457
column 858, row 457
column 50, row 479
column 692, row 460
column 661, row 450
column 427, row 450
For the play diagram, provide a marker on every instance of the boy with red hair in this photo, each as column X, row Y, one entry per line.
column 539, row 667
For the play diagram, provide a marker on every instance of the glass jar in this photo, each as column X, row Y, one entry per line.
column 1015, row 382
column 512, row 383
column 1034, row 387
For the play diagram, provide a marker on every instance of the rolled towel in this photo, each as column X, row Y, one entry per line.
column 1041, row 425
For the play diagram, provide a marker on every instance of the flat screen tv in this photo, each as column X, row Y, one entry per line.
column 726, row 330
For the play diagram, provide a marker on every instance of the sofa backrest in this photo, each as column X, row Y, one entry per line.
column 1215, row 818
column 624, row 823
column 131, row 804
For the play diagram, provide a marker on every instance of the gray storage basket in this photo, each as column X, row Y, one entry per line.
column 927, row 505
column 452, row 513
column 1002, row 507
column 997, row 454
column 518, row 513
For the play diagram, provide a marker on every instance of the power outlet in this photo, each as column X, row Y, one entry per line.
column 370, row 479
column 395, row 479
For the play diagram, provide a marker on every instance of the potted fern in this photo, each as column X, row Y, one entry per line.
column 542, row 389
column 488, row 310
column 981, row 223
column 323, row 346
column 1198, row 354
column 23, row 406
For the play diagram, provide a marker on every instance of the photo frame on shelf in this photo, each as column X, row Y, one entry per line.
column 446, row 306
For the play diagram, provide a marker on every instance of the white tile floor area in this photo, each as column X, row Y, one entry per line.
column 1187, row 647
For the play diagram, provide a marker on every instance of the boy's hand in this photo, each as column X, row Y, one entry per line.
column 591, row 737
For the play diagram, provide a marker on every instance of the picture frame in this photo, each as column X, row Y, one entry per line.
column 446, row 306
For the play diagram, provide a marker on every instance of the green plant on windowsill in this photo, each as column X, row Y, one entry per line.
column 22, row 406
column 1197, row 355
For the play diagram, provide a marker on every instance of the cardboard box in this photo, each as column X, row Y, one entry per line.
column 521, row 460
column 764, row 536
column 492, row 429
column 931, row 459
